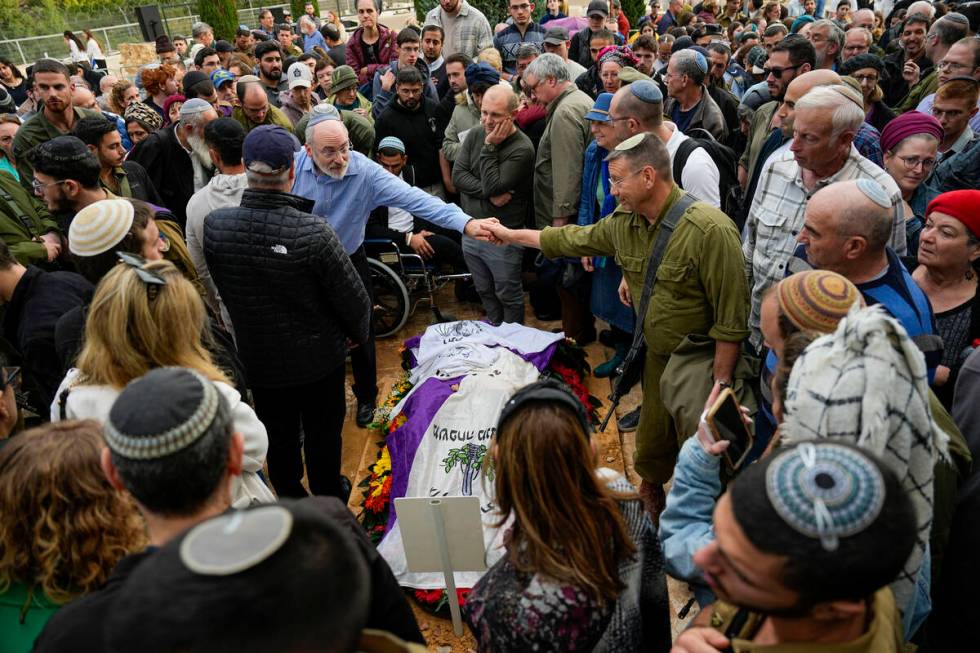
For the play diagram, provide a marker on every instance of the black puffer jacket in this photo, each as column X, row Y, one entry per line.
column 292, row 293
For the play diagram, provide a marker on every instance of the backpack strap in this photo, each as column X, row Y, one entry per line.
column 683, row 153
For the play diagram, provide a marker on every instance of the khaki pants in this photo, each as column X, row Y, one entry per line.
column 656, row 437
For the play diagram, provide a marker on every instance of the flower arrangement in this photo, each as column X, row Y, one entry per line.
column 437, row 601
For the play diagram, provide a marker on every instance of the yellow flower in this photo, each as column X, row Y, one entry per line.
column 383, row 464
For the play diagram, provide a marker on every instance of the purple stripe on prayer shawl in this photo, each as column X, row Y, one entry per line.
column 420, row 408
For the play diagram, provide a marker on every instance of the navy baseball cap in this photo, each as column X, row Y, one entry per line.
column 271, row 145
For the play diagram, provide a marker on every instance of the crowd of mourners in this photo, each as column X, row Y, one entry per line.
column 773, row 201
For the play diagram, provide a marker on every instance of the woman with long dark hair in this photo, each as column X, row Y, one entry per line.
column 13, row 81
column 583, row 567
column 93, row 50
column 75, row 47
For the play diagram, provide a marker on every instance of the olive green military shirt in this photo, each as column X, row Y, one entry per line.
column 884, row 633
column 700, row 286
column 35, row 131
column 23, row 220
column 274, row 116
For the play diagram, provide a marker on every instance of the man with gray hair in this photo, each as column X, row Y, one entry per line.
column 828, row 42
column 857, row 40
column 295, row 300
column 700, row 289
column 825, row 123
column 202, row 34
column 345, row 187
column 311, row 35
column 690, row 105
column 558, row 168
column 176, row 158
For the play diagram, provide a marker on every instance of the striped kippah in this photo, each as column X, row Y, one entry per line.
column 161, row 413
column 100, row 226
column 816, row 300
column 825, row 491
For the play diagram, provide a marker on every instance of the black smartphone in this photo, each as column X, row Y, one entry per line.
column 725, row 421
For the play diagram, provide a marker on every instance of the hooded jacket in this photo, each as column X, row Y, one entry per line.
column 222, row 191
column 421, row 133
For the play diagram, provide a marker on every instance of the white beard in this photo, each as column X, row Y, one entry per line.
column 200, row 151
column 338, row 175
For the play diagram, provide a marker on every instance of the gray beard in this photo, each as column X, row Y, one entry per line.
column 199, row 150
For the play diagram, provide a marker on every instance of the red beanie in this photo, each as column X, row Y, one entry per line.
column 964, row 205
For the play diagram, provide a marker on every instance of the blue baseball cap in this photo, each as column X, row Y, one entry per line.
column 271, row 145
column 220, row 76
column 600, row 110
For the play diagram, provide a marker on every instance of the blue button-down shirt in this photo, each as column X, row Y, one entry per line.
column 347, row 203
column 313, row 40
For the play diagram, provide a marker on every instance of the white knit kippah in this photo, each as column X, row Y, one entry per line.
column 100, row 226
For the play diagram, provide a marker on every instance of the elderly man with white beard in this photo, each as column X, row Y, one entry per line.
column 346, row 186
column 176, row 158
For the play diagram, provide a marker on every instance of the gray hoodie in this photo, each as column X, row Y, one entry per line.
column 221, row 192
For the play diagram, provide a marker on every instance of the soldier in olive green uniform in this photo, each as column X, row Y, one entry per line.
column 700, row 288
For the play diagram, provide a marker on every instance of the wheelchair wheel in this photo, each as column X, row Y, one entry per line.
column 391, row 306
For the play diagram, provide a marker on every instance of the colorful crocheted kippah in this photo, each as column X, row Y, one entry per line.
column 816, row 300
column 825, row 491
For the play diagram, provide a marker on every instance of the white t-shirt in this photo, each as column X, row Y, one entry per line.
column 700, row 174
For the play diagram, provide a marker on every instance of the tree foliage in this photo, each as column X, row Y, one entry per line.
column 298, row 7
column 221, row 16
column 634, row 10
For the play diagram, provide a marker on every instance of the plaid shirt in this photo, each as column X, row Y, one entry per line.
column 867, row 141
column 510, row 39
column 471, row 31
column 776, row 218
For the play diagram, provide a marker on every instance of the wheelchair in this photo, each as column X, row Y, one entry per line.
column 402, row 281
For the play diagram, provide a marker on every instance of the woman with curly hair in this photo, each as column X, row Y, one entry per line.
column 121, row 95
column 63, row 527
column 146, row 315
column 159, row 83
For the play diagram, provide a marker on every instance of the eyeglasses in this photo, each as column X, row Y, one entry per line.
column 866, row 78
column 330, row 153
column 38, row 187
column 618, row 183
column 778, row 72
column 953, row 65
column 913, row 162
column 521, row 7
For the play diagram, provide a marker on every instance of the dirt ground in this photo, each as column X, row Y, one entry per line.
column 361, row 446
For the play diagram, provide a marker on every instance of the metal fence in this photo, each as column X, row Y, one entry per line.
column 177, row 19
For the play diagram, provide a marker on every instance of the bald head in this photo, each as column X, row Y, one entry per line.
column 82, row 97
column 852, row 213
column 800, row 86
column 503, row 95
column 328, row 144
column 863, row 18
column 106, row 83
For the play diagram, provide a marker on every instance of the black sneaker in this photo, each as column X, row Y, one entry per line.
column 628, row 422
column 345, row 488
column 365, row 413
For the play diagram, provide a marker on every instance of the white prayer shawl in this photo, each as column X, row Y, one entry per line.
column 866, row 384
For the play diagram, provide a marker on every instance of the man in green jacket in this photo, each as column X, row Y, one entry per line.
column 26, row 226
column 254, row 108
column 700, row 288
column 558, row 173
column 58, row 117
